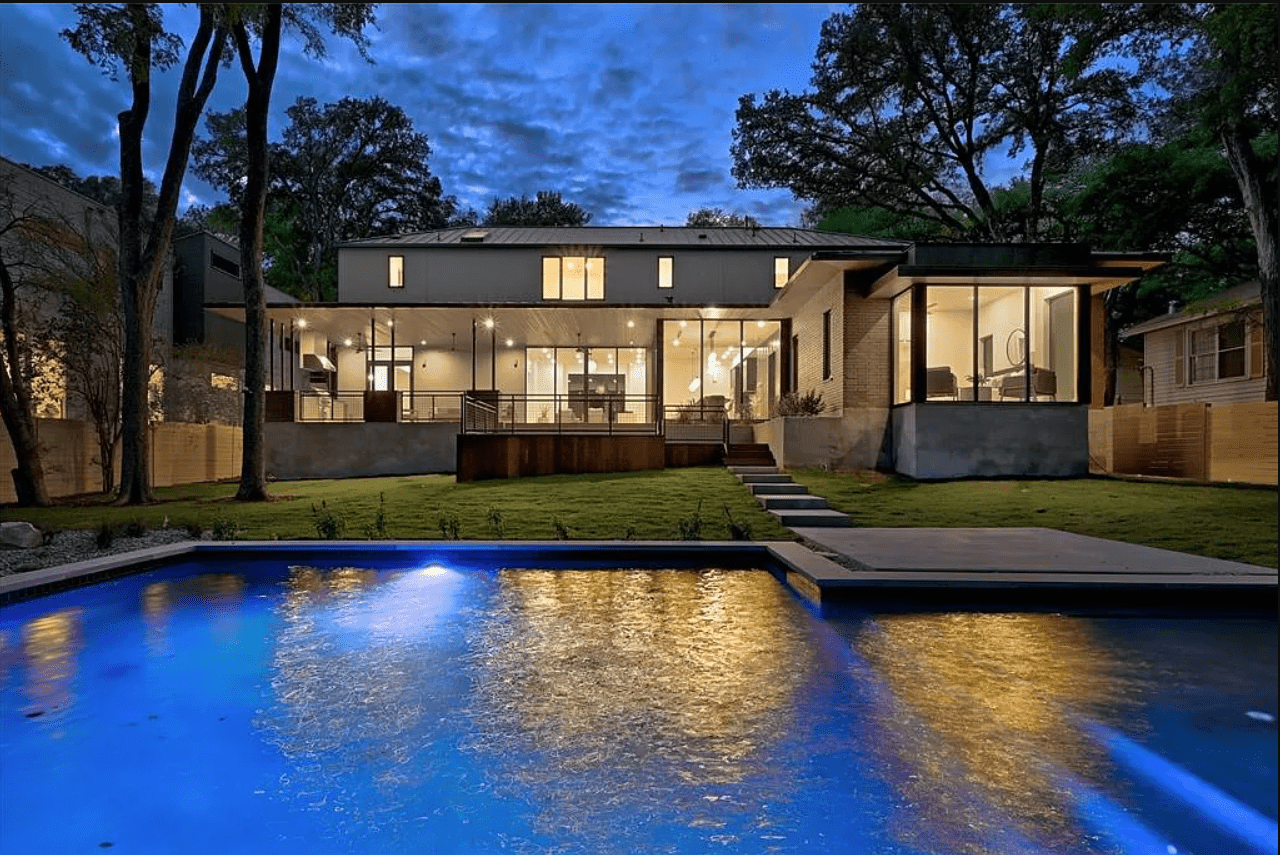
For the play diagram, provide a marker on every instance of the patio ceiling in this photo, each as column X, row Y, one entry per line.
column 533, row 326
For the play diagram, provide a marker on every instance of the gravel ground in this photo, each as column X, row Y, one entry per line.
column 70, row 546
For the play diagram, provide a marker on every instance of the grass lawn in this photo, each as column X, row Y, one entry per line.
column 1239, row 524
column 637, row 505
column 1235, row 523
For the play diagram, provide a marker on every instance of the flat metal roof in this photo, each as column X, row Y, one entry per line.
column 635, row 236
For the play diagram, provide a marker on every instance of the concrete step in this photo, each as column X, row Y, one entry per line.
column 777, row 489
column 775, row 478
column 749, row 460
column 814, row 518
column 792, row 503
column 754, row 470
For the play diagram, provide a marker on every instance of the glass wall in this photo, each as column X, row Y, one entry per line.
column 948, row 341
column 900, row 332
column 571, row 384
column 718, row 368
column 990, row 343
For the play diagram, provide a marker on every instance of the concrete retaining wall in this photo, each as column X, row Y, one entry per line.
column 855, row 439
column 359, row 450
column 938, row 441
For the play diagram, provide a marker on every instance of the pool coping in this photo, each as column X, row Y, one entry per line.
column 820, row 579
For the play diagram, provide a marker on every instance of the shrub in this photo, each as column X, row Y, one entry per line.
column 135, row 528
column 377, row 530
column 195, row 530
column 795, row 404
column 560, row 530
column 448, row 525
column 691, row 527
column 329, row 526
column 495, row 522
column 737, row 530
column 225, row 529
column 106, row 535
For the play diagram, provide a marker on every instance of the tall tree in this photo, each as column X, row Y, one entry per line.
column 133, row 36
column 911, row 103
column 345, row 171
column 545, row 209
column 1228, row 80
column 719, row 218
column 265, row 23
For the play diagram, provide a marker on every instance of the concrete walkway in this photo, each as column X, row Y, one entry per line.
column 1031, row 561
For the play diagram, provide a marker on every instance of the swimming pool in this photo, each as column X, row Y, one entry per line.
column 234, row 705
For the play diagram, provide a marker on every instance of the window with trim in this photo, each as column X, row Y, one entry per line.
column 781, row 271
column 226, row 265
column 666, row 271
column 826, row 345
column 1216, row 353
column 395, row 271
column 572, row 277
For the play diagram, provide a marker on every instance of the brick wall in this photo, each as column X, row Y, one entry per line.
column 866, row 352
column 807, row 325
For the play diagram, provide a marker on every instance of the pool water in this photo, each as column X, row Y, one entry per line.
column 256, row 707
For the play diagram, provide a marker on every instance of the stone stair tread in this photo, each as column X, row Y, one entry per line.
column 797, row 502
column 814, row 517
column 791, row 489
column 765, row 478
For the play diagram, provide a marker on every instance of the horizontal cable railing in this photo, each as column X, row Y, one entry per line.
column 696, row 423
column 431, row 406
column 567, row 413
column 331, row 406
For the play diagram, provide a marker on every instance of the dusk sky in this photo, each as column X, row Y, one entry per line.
column 626, row 110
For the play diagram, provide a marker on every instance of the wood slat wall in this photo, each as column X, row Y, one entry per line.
column 1218, row 442
column 180, row 454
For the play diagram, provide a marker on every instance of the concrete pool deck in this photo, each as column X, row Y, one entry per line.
column 920, row 565
column 1027, row 560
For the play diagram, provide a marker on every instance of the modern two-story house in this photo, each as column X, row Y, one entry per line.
column 506, row 351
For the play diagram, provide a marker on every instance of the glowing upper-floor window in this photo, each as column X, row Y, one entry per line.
column 666, row 271
column 781, row 271
column 395, row 271
column 572, row 278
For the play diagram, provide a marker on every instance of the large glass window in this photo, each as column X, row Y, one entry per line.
column 949, row 316
column 718, row 368
column 572, row 278
column 900, row 316
column 587, row 384
column 992, row 344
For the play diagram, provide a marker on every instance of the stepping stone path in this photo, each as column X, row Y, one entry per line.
column 790, row 503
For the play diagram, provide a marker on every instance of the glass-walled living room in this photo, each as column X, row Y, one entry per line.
column 986, row 343
column 588, row 384
column 722, row 368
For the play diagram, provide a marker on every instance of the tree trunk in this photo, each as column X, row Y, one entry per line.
column 1251, row 176
column 16, row 405
column 253, row 463
column 141, row 269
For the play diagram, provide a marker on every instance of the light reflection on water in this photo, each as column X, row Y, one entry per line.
column 989, row 696
column 588, row 711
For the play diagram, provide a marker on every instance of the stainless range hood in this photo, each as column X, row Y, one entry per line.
column 316, row 362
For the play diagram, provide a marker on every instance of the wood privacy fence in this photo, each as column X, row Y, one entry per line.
column 1207, row 442
column 180, row 454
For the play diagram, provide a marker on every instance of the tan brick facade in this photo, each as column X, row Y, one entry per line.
column 806, row 326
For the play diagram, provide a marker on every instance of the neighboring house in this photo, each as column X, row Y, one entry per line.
column 1209, row 352
column 451, row 349
column 205, row 383
column 198, row 358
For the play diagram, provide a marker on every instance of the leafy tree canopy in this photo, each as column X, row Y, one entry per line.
column 909, row 103
column 346, row 171
column 545, row 209
column 717, row 218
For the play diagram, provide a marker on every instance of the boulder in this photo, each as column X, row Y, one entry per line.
column 21, row 534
